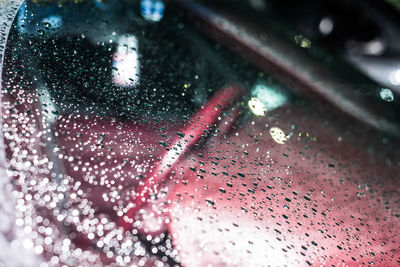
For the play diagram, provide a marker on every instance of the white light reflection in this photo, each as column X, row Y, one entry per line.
column 266, row 98
column 386, row 94
column 278, row 135
column 326, row 25
column 257, row 107
column 126, row 63
column 374, row 47
column 394, row 77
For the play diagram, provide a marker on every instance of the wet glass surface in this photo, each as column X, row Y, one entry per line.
column 133, row 139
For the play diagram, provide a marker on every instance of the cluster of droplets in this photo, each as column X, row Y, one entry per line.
column 53, row 215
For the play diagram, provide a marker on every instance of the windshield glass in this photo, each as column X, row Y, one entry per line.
column 158, row 133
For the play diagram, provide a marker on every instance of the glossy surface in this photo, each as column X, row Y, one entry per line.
column 135, row 140
column 317, row 199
